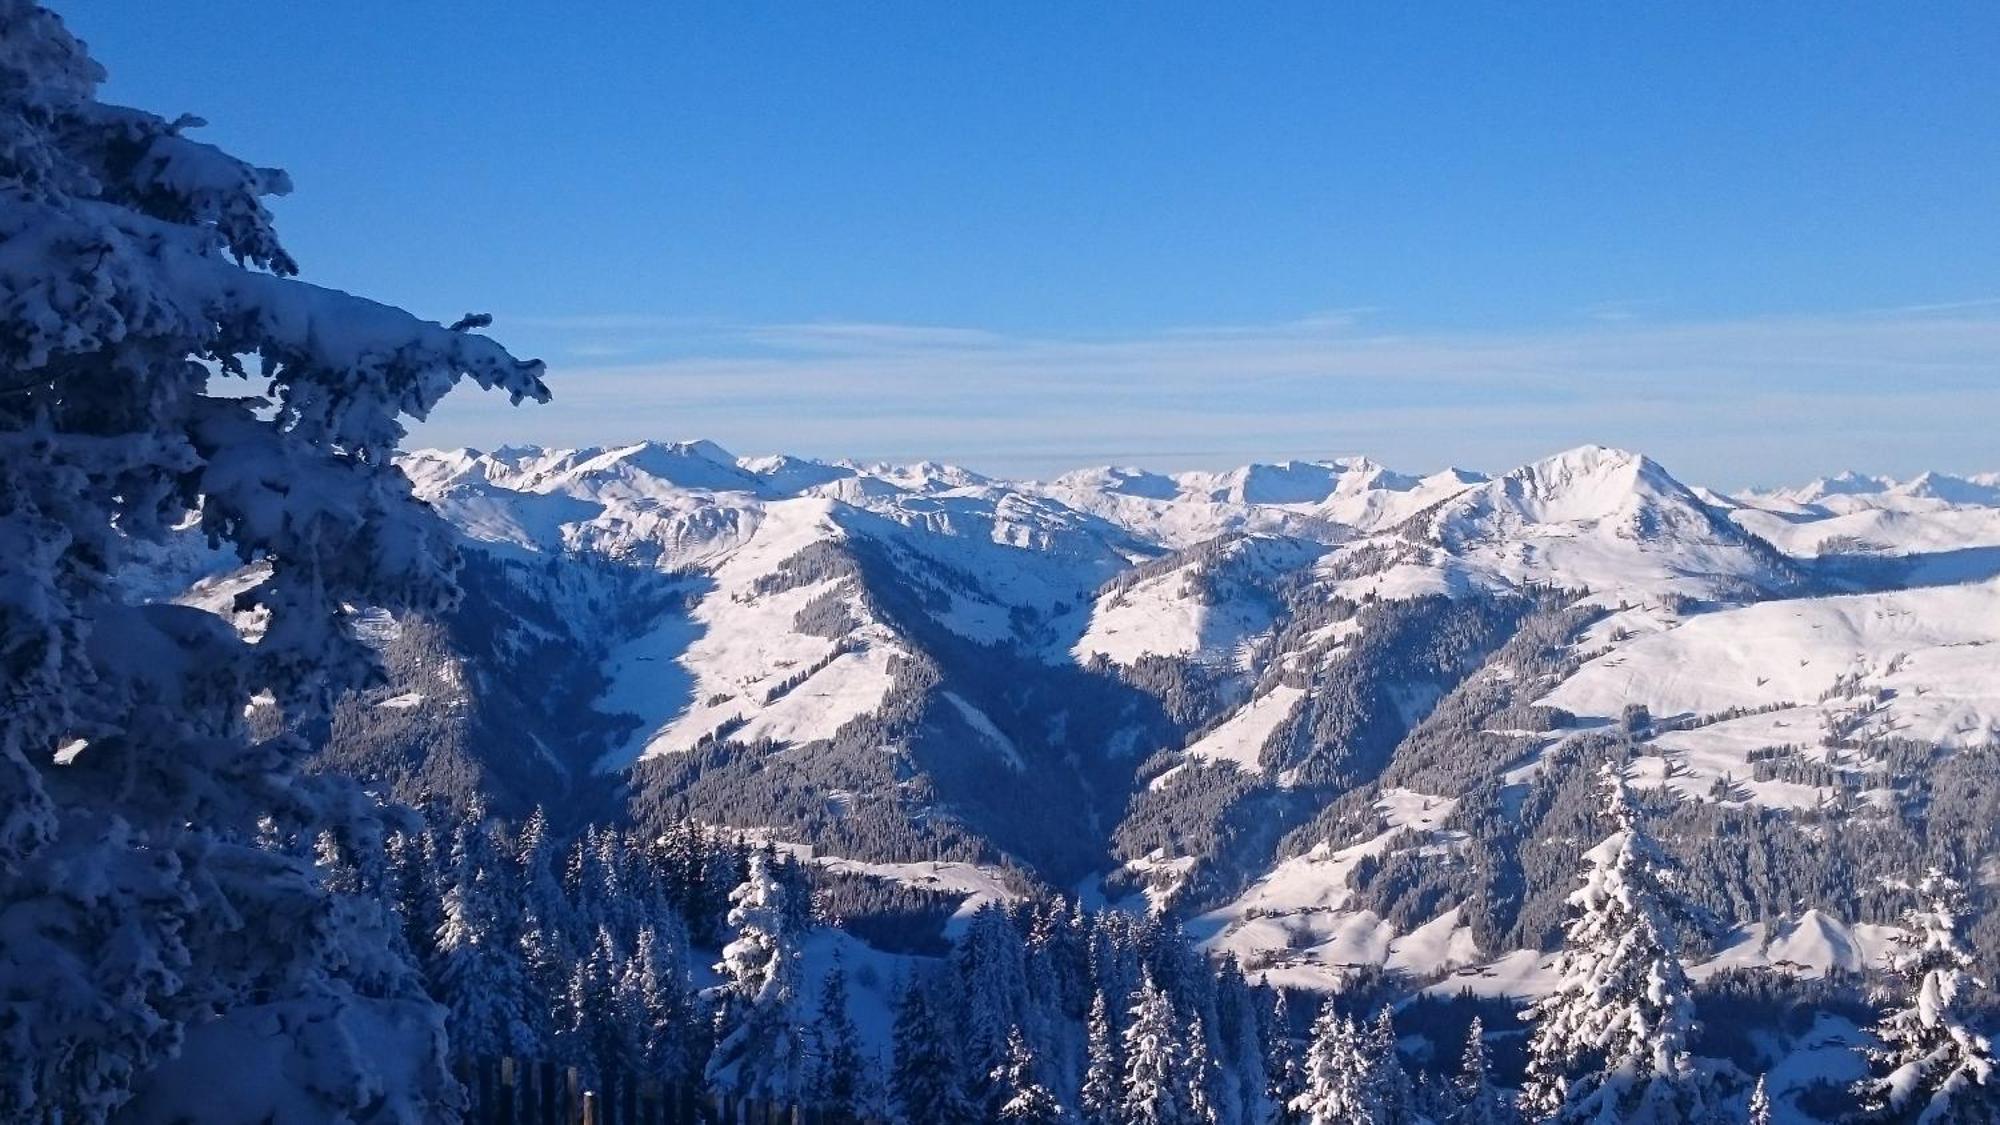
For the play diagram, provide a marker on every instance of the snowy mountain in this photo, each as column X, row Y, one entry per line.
column 1930, row 529
column 1329, row 714
column 1610, row 521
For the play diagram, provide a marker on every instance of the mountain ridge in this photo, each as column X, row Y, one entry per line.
column 1349, row 699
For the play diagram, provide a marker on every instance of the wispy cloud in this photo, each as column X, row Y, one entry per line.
column 1755, row 398
column 1627, row 308
column 1947, row 306
column 838, row 336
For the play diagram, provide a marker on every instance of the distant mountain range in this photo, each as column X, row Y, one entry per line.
column 1329, row 714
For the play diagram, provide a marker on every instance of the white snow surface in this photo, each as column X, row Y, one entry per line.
column 1608, row 520
column 1916, row 664
column 1810, row 945
column 743, row 649
column 1176, row 613
column 1240, row 738
column 980, row 884
column 1295, row 926
column 1939, row 528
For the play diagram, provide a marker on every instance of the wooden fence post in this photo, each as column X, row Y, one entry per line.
column 506, row 1090
column 461, row 1069
column 509, row 1092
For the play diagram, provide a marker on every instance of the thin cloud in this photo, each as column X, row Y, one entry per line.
column 1945, row 306
column 1630, row 308
column 1900, row 385
column 862, row 336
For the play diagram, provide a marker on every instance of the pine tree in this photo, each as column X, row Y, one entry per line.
column 1152, row 1086
column 1760, row 1104
column 543, row 905
column 1389, row 1084
column 653, row 997
column 1239, row 1057
column 1023, row 1099
column 1611, row 1039
column 1335, row 1085
column 548, row 941
column 1102, row 1095
column 1930, row 1065
column 478, row 975
column 1058, row 972
column 1282, row 1076
column 925, row 1083
column 603, row 1042
column 1198, row 1075
column 414, row 888
column 611, row 890
column 1479, row 1101
column 838, row 1079
column 757, row 1042
column 993, row 979
column 152, row 926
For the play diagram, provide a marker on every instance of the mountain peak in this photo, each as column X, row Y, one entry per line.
column 1590, row 481
column 646, row 466
column 1293, row 482
column 1844, row 483
column 1122, row 480
column 1951, row 489
column 1606, row 519
column 1591, row 458
column 698, row 448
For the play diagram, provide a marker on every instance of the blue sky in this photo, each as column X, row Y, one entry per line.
column 1758, row 241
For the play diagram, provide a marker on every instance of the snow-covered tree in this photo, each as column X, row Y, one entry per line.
column 1238, row 1037
column 413, row 878
column 1760, row 1104
column 1198, row 1076
column 1058, row 972
column 757, row 1040
column 604, row 1034
column 1336, row 1083
column 1479, row 1101
column 478, row 974
column 1281, row 1065
column 543, row 906
column 1610, row 1041
column 925, row 1083
column 653, row 996
column 1393, row 1093
column 838, row 1079
column 1022, row 1097
column 159, row 935
column 1152, row 1090
column 1930, row 1065
column 992, row 972
column 1102, row 1095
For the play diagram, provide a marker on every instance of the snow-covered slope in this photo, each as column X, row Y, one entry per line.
column 1816, row 673
column 1297, row 926
column 1933, row 528
column 1611, row 521
column 1326, row 500
column 1241, row 695
column 1208, row 605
